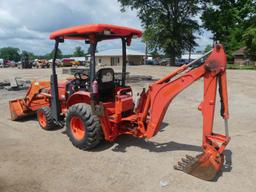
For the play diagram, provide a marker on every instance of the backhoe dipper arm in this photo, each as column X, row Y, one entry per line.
column 161, row 93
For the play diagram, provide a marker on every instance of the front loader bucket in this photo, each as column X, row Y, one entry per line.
column 34, row 100
column 204, row 166
column 18, row 109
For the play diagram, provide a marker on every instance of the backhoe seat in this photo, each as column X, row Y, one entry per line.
column 106, row 84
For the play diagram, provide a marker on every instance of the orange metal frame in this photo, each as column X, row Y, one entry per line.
column 145, row 122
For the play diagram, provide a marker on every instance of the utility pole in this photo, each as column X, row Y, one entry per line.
column 146, row 54
column 189, row 54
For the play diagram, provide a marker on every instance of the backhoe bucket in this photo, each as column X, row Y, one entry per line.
column 204, row 166
column 18, row 109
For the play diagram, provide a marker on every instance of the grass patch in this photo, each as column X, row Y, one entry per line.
column 241, row 67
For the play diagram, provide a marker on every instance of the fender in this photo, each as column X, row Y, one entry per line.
column 79, row 97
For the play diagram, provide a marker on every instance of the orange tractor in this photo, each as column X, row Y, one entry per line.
column 98, row 106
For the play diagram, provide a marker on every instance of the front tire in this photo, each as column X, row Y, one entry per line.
column 83, row 128
column 45, row 118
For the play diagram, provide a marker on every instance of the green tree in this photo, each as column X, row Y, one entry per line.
column 227, row 20
column 10, row 53
column 208, row 48
column 78, row 52
column 250, row 42
column 51, row 54
column 169, row 24
column 154, row 54
column 30, row 55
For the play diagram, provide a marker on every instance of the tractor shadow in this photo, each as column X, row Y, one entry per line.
column 123, row 142
column 33, row 118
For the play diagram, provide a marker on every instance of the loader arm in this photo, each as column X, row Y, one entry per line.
column 34, row 100
column 161, row 93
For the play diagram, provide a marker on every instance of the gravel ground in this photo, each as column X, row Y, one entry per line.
column 35, row 160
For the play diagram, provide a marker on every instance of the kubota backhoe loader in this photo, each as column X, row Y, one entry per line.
column 101, row 107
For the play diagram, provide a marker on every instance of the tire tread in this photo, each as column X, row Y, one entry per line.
column 92, row 124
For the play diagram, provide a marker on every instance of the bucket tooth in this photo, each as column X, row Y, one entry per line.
column 182, row 164
column 185, row 160
column 178, row 167
column 190, row 157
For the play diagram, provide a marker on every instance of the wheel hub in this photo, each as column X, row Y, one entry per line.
column 77, row 128
column 42, row 119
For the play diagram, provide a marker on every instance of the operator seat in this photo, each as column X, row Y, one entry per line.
column 106, row 84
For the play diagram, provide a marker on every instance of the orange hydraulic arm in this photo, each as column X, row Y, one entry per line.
column 152, row 109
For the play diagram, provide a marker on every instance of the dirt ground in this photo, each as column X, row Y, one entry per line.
column 32, row 159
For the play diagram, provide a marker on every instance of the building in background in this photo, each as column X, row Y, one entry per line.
column 85, row 59
column 240, row 56
column 113, row 57
column 193, row 56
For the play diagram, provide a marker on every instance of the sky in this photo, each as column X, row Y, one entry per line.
column 26, row 24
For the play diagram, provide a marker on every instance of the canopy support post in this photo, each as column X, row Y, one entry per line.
column 124, row 61
column 55, row 103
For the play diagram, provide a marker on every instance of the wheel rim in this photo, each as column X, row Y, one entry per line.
column 77, row 128
column 42, row 119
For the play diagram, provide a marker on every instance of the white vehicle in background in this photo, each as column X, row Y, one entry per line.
column 1, row 63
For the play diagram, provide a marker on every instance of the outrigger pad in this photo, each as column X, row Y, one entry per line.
column 204, row 166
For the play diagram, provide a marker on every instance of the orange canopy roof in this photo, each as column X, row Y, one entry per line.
column 102, row 31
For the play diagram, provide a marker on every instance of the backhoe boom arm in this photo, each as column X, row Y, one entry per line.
column 161, row 93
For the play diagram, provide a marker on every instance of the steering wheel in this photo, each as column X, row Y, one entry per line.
column 81, row 76
column 80, row 81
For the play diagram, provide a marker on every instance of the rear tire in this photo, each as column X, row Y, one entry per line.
column 83, row 128
column 45, row 118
